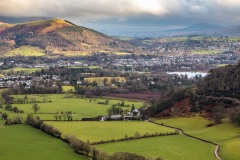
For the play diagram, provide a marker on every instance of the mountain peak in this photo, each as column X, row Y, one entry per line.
column 57, row 36
column 45, row 26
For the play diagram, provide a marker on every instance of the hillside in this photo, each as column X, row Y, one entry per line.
column 204, row 29
column 217, row 96
column 56, row 37
column 199, row 27
column 224, row 81
column 227, row 31
column 4, row 26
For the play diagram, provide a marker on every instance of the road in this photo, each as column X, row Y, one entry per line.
column 200, row 139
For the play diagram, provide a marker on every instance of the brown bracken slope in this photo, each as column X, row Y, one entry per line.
column 58, row 37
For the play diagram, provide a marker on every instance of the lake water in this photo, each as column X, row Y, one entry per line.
column 189, row 74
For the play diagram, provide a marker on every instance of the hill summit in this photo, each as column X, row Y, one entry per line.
column 56, row 37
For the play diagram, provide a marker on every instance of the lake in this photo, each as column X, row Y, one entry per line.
column 189, row 74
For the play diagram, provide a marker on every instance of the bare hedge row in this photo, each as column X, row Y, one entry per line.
column 136, row 136
column 85, row 148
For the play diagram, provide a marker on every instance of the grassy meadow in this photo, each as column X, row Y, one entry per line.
column 97, row 131
column 1, row 122
column 26, row 51
column 2, row 90
column 101, row 79
column 19, row 69
column 22, row 142
column 91, row 67
column 67, row 89
column 226, row 134
column 206, row 51
column 81, row 107
column 167, row 147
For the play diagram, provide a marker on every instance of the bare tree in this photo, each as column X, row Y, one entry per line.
column 35, row 107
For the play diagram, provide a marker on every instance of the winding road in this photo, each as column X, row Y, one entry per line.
column 200, row 139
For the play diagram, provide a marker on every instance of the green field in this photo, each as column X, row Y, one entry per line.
column 122, row 53
column 101, row 79
column 26, row 51
column 81, row 107
column 1, row 122
column 97, row 131
column 22, row 142
column 177, row 147
column 226, row 134
column 18, row 69
column 91, row 67
column 68, row 89
column 2, row 90
column 206, row 51
column 12, row 114
column 222, row 65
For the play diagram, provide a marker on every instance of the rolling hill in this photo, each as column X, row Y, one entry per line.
column 204, row 29
column 223, row 81
column 199, row 27
column 219, row 89
column 56, row 37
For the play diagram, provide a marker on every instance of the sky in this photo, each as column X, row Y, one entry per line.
column 135, row 14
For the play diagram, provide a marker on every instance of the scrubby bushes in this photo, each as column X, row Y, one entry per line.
column 4, row 115
column 234, row 115
column 39, row 124
column 9, row 107
column 14, row 120
column 78, row 145
column 126, row 156
column 11, row 120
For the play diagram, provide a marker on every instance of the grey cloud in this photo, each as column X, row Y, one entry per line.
column 88, row 8
column 221, row 11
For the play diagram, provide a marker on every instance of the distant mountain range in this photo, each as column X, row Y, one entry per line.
column 56, row 37
column 206, row 29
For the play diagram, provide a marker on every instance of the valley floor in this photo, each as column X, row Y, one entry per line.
column 21, row 141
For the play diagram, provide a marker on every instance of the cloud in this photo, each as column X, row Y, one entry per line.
column 81, row 8
column 198, row 10
column 123, row 10
column 229, row 3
